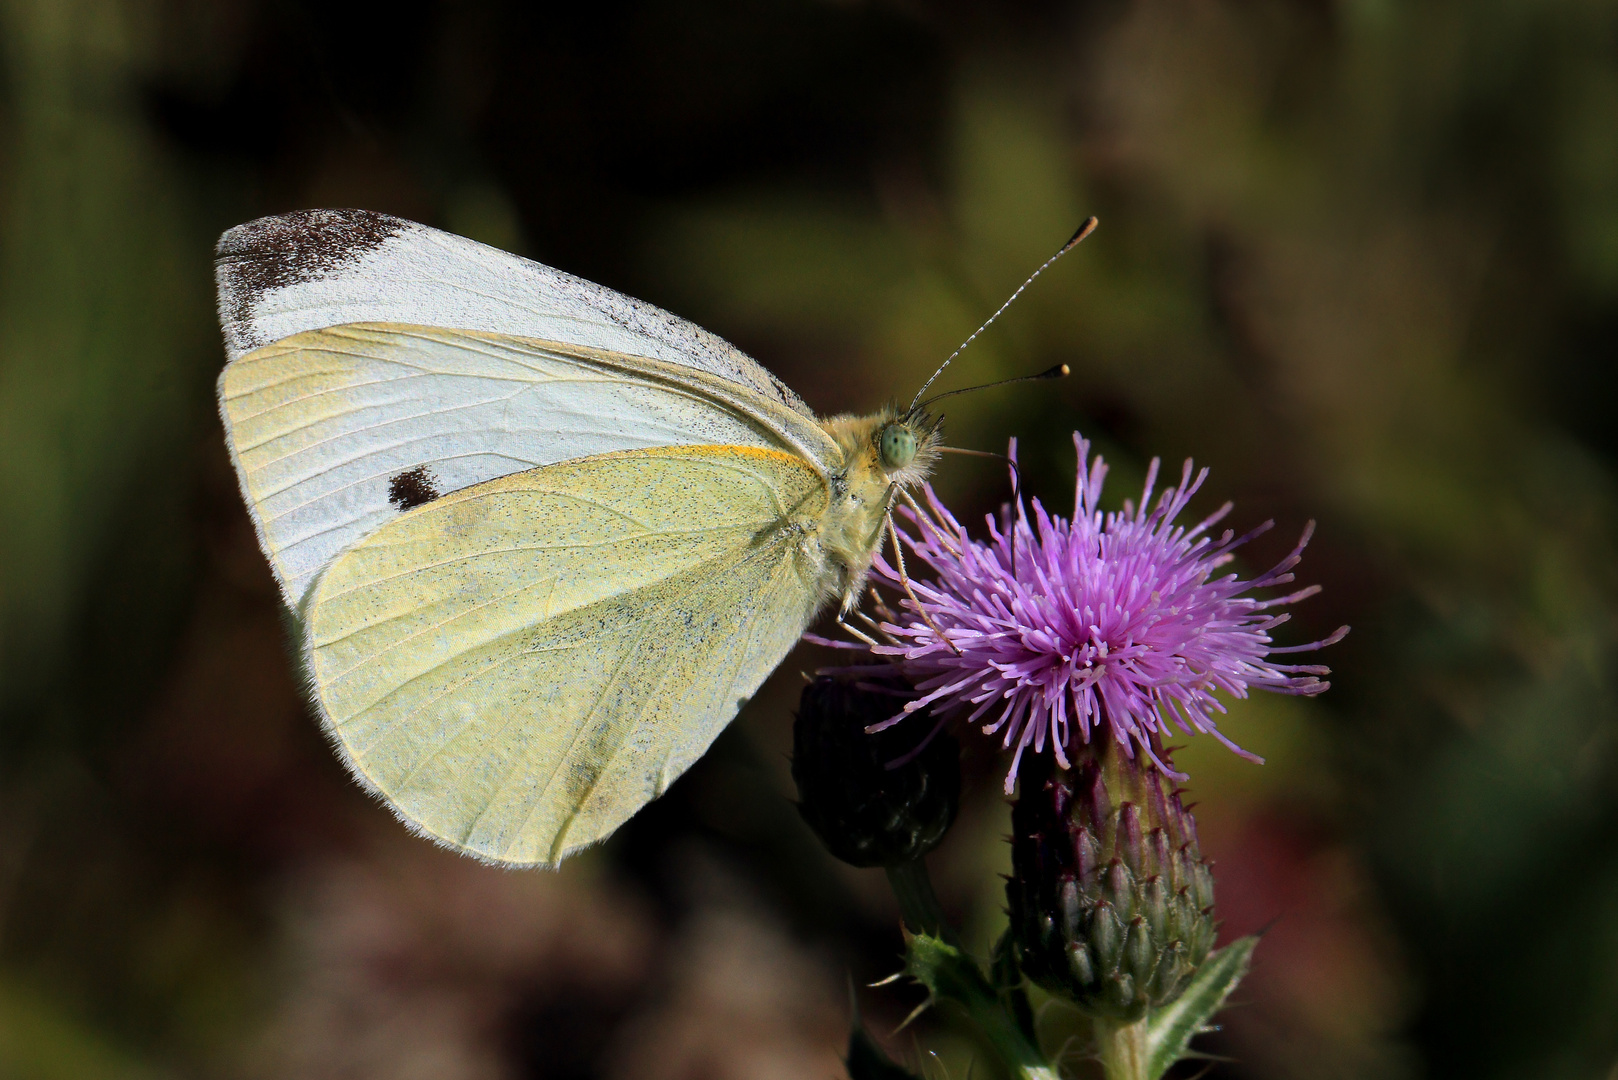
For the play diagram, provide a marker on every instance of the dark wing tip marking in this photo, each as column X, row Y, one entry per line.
column 273, row 252
column 413, row 488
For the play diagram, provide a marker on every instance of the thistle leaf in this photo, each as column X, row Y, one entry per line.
column 952, row 976
column 1169, row 1030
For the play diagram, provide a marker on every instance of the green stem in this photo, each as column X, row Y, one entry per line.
column 1123, row 1050
column 934, row 957
column 1018, row 1054
column 952, row 976
column 918, row 903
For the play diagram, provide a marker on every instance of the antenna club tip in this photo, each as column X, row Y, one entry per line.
column 1084, row 230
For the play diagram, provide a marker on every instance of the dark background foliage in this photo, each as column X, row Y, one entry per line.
column 1359, row 256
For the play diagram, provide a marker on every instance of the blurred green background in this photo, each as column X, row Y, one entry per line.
column 1358, row 256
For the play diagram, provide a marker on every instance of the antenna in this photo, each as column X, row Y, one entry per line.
column 1084, row 230
column 1060, row 371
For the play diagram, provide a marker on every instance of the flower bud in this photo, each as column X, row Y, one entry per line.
column 865, row 812
column 1110, row 899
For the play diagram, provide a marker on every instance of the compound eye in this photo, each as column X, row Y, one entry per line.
column 898, row 444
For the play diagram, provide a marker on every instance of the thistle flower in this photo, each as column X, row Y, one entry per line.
column 1111, row 902
column 1052, row 628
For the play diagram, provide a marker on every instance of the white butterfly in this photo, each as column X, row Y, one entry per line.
column 544, row 539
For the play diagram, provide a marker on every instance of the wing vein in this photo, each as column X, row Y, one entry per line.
column 559, row 839
column 580, row 546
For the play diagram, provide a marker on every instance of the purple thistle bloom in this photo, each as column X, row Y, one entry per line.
column 1112, row 618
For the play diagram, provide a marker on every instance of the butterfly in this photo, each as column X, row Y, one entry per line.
column 542, row 539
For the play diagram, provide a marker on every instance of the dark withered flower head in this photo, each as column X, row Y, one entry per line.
column 874, row 800
column 1053, row 627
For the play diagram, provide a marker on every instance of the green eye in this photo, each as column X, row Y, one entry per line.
column 898, row 446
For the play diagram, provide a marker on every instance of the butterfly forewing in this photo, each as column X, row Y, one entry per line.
column 285, row 275
column 519, row 667
column 339, row 430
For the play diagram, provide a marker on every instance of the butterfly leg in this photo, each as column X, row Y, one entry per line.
column 904, row 580
column 941, row 534
column 862, row 635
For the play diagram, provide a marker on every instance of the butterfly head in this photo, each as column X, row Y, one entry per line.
column 906, row 446
column 884, row 449
column 883, row 453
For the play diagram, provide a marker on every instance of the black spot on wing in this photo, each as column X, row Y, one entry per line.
column 411, row 489
column 273, row 252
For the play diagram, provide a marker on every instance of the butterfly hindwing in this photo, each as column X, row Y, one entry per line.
column 519, row 667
